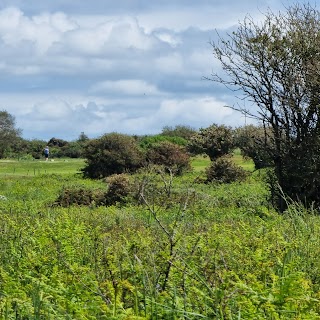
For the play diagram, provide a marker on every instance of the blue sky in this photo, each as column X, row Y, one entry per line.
column 130, row 66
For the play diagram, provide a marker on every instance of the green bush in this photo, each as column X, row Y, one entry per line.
column 80, row 196
column 215, row 141
column 118, row 188
column 224, row 170
column 169, row 155
column 113, row 153
column 255, row 143
column 148, row 141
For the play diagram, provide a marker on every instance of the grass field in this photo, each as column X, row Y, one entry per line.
column 72, row 166
column 36, row 167
column 192, row 251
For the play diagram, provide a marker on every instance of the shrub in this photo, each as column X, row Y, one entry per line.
column 215, row 141
column 224, row 170
column 148, row 141
column 73, row 149
column 255, row 143
column 118, row 188
column 80, row 196
column 185, row 132
column 113, row 153
column 171, row 156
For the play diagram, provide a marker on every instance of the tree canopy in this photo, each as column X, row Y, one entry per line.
column 8, row 132
column 275, row 65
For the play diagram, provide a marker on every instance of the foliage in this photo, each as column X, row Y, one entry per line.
column 148, row 141
column 223, row 170
column 112, row 153
column 55, row 142
column 73, row 149
column 80, row 196
column 83, row 138
column 9, row 134
column 275, row 64
column 254, row 142
column 173, row 157
column 188, row 251
column 215, row 141
column 182, row 131
column 119, row 188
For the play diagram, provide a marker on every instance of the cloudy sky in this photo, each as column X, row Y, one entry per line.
column 129, row 66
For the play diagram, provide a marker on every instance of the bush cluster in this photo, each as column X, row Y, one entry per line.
column 80, row 196
column 119, row 189
column 118, row 153
column 224, row 170
column 214, row 141
column 173, row 157
column 113, row 153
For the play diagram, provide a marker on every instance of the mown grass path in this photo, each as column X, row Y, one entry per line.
column 36, row 167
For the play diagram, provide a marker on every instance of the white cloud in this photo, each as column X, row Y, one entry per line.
column 51, row 110
column 198, row 111
column 105, row 38
column 171, row 63
column 168, row 37
column 132, row 66
column 127, row 87
column 17, row 30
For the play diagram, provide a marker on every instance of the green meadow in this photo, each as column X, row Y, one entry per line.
column 190, row 251
column 40, row 167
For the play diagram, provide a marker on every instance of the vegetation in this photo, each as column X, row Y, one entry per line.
column 173, row 157
column 224, row 170
column 139, row 229
column 254, row 143
column 9, row 134
column 214, row 141
column 113, row 153
column 182, row 131
column 148, row 141
column 178, row 250
column 275, row 65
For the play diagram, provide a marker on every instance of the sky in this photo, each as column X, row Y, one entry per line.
column 126, row 66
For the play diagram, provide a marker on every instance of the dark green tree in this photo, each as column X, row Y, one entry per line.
column 215, row 141
column 9, row 134
column 173, row 157
column 255, row 143
column 83, row 138
column 113, row 153
column 275, row 64
column 55, row 142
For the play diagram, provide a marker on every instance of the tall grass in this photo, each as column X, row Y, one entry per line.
column 223, row 255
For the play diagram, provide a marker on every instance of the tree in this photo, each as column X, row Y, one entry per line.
column 83, row 138
column 9, row 134
column 35, row 148
column 113, row 153
column 54, row 142
column 254, row 142
column 215, row 141
column 276, row 66
column 172, row 156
